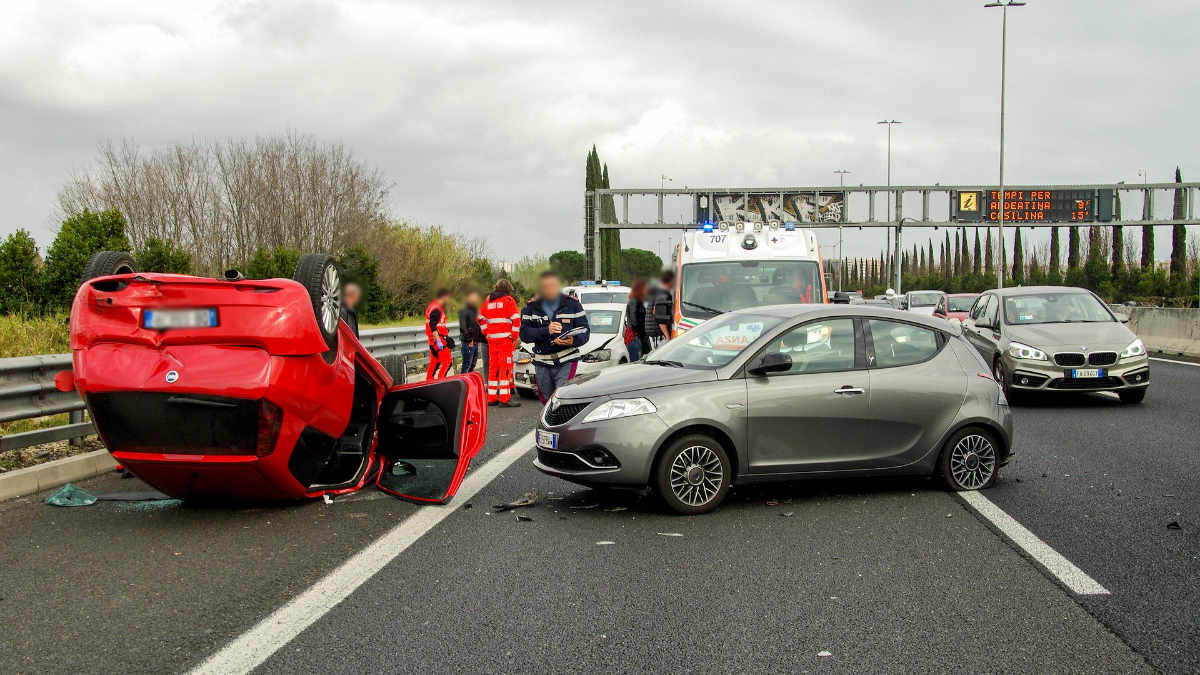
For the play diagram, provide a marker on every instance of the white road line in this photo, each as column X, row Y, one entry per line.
column 257, row 644
column 1064, row 570
column 1182, row 363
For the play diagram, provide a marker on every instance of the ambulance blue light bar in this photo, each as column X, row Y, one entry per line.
column 587, row 282
column 790, row 227
column 707, row 226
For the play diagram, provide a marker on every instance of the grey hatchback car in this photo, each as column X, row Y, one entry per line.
column 783, row 393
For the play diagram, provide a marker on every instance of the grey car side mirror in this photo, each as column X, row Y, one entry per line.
column 775, row 362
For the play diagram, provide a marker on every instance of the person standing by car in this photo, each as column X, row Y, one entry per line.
column 470, row 332
column 554, row 323
column 636, row 342
column 501, row 323
column 660, row 303
column 351, row 294
column 440, row 342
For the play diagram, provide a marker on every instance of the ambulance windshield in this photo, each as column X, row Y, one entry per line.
column 710, row 288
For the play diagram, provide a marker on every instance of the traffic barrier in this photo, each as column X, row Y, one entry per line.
column 1175, row 332
column 27, row 385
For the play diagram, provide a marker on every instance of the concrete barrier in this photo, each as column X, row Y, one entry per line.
column 1174, row 332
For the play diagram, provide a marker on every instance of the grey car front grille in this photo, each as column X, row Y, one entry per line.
column 562, row 414
column 1102, row 358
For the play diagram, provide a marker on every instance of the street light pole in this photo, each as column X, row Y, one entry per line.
column 1003, row 74
column 891, row 197
column 841, row 254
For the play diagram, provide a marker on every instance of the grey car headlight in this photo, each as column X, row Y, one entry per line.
column 1135, row 349
column 597, row 356
column 620, row 407
column 1018, row 350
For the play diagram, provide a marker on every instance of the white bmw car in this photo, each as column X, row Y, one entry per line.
column 603, row 349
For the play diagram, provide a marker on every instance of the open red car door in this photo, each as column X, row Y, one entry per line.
column 428, row 434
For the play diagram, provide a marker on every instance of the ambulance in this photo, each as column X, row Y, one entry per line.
column 725, row 266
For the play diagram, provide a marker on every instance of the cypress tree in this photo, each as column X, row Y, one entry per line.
column 1179, row 240
column 975, row 261
column 1053, row 274
column 590, row 244
column 1072, row 248
column 611, row 262
column 947, row 259
column 931, row 260
column 1018, row 259
column 966, row 252
column 988, row 267
column 956, row 262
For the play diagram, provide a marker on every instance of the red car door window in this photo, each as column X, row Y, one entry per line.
column 428, row 434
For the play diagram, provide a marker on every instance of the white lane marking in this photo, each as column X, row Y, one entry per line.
column 256, row 645
column 1064, row 570
column 1182, row 363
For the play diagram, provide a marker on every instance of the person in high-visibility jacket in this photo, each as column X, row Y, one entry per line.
column 501, row 323
column 441, row 345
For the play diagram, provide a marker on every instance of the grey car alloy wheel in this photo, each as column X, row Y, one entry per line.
column 973, row 461
column 696, row 475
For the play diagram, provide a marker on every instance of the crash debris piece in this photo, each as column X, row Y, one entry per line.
column 1173, row 525
column 824, row 653
column 527, row 499
column 583, row 507
column 671, row 534
column 328, row 499
column 524, row 519
column 605, row 543
column 69, row 495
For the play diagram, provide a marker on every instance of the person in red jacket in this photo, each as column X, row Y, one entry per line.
column 441, row 345
column 501, row 323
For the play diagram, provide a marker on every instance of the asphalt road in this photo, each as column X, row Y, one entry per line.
column 884, row 575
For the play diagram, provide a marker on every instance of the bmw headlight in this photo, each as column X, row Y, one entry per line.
column 1023, row 351
column 597, row 356
column 620, row 407
column 1135, row 349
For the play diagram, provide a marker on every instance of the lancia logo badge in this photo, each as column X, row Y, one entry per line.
column 172, row 375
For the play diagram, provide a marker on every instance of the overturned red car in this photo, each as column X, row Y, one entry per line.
column 255, row 389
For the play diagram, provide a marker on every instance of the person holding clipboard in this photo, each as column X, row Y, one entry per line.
column 555, row 324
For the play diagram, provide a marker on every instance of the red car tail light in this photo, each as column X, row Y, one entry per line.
column 270, row 420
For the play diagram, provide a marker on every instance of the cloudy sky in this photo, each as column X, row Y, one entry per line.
column 481, row 113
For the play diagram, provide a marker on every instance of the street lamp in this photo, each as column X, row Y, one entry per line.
column 1003, row 67
column 662, row 179
column 891, row 198
column 841, row 256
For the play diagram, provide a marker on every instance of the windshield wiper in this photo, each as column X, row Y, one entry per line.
column 665, row 362
column 702, row 307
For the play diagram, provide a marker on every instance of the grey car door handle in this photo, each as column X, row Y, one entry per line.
column 848, row 390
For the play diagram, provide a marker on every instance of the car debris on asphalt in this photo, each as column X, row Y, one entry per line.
column 69, row 495
column 527, row 499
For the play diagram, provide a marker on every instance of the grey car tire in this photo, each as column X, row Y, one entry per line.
column 970, row 460
column 693, row 475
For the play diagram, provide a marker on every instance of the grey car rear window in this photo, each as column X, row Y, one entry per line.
column 901, row 344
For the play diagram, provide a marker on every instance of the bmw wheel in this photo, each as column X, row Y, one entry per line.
column 693, row 475
column 319, row 275
column 970, row 460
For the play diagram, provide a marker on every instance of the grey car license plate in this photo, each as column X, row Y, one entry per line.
column 163, row 319
column 547, row 439
column 1085, row 372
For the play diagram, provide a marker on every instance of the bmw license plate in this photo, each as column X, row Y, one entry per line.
column 163, row 319
column 547, row 439
column 1086, row 372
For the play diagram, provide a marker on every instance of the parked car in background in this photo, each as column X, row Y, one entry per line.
column 256, row 389
column 1055, row 339
column 955, row 306
column 599, row 292
column 922, row 302
column 782, row 393
column 604, row 348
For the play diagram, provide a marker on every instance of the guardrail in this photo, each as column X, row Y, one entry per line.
column 27, row 385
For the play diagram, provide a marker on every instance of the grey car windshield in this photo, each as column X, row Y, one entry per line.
column 709, row 288
column 607, row 321
column 923, row 299
column 1065, row 307
column 715, row 343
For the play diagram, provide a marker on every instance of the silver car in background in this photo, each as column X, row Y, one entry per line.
column 1057, row 339
column 783, row 392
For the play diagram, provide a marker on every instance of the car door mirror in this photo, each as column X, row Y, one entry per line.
column 775, row 362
